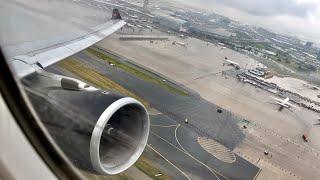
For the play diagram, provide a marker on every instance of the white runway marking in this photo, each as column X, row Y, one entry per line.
column 169, row 162
column 186, row 152
column 216, row 149
column 165, row 126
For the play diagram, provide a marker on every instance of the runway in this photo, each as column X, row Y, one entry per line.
column 216, row 104
column 184, row 139
column 202, row 115
column 278, row 132
column 175, row 141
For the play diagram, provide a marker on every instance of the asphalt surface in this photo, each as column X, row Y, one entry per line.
column 202, row 115
column 176, row 141
column 184, row 139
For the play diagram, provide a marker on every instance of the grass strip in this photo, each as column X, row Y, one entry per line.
column 145, row 166
column 120, row 176
column 97, row 79
column 138, row 72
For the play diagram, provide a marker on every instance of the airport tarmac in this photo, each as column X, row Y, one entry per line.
column 197, row 67
column 202, row 115
column 176, row 141
column 184, row 138
column 198, row 72
column 297, row 86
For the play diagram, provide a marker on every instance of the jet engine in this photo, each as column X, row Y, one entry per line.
column 101, row 132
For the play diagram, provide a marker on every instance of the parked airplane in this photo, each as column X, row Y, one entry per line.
column 131, row 26
column 179, row 43
column 106, row 132
column 284, row 103
column 231, row 63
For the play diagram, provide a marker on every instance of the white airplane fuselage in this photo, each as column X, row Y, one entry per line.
column 284, row 103
column 231, row 63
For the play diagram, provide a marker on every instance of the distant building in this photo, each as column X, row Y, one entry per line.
column 220, row 32
column 211, row 31
column 269, row 52
column 308, row 45
column 170, row 22
column 318, row 55
column 225, row 21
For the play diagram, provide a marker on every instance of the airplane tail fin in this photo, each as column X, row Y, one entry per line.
column 116, row 14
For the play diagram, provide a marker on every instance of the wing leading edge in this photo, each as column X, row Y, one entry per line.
column 29, row 63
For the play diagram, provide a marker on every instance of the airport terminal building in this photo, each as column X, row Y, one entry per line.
column 170, row 22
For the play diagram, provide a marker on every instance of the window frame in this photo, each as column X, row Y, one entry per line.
column 21, row 109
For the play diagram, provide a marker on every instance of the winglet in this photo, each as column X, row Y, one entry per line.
column 116, row 14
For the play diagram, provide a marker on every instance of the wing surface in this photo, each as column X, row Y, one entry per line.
column 291, row 105
column 277, row 99
column 41, row 58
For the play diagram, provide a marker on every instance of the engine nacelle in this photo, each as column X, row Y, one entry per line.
column 99, row 131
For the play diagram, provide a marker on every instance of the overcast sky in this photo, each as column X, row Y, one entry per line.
column 295, row 17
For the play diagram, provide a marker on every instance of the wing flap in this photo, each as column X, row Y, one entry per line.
column 27, row 64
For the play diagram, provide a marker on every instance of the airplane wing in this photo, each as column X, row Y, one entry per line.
column 291, row 105
column 39, row 34
column 277, row 99
column 39, row 59
column 232, row 62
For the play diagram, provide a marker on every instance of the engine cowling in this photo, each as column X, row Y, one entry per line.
column 99, row 131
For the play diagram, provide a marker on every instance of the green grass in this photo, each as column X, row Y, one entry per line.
column 145, row 166
column 92, row 176
column 121, row 176
column 94, row 77
column 138, row 72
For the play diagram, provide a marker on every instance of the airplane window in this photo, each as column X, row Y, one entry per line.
column 156, row 89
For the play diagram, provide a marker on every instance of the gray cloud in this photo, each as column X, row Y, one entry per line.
column 267, row 7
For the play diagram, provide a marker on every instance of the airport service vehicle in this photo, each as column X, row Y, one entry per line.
column 305, row 138
column 179, row 43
